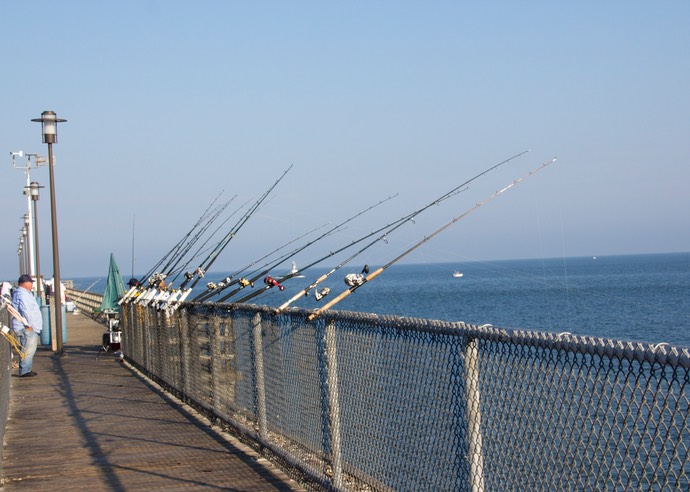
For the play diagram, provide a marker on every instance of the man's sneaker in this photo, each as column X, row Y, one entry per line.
column 29, row 374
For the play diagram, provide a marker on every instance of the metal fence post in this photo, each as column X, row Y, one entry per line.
column 474, row 416
column 216, row 363
column 333, row 404
column 260, row 382
column 185, row 372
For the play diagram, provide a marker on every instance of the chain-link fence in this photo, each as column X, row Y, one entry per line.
column 5, row 374
column 365, row 402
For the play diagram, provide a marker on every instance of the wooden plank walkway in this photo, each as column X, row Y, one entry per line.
column 88, row 424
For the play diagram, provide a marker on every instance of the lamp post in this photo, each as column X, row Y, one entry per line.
column 33, row 192
column 25, row 240
column 29, row 236
column 49, row 121
column 20, row 252
column 30, row 264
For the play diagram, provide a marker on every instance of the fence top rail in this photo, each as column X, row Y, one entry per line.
column 661, row 353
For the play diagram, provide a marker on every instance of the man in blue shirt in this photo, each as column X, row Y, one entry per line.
column 23, row 300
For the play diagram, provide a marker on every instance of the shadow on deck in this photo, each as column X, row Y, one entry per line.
column 93, row 424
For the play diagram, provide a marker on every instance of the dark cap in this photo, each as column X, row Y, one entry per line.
column 133, row 282
column 25, row 278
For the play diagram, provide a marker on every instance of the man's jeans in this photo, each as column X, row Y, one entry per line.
column 29, row 341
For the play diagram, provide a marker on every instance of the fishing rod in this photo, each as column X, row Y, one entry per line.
column 189, row 241
column 150, row 274
column 388, row 230
column 271, row 282
column 358, row 280
column 174, row 252
column 173, row 269
column 203, row 249
column 250, row 278
column 215, row 288
column 211, row 258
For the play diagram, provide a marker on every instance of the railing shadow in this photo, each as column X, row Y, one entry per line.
column 94, row 437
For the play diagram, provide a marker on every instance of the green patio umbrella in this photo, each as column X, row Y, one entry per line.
column 114, row 287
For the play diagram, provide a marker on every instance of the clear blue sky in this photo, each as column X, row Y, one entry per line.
column 170, row 102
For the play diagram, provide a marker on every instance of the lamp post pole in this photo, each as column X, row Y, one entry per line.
column 49, row 123
column 28, row 220
column 33, row 191
column 21, row 255
column 31, row 263
column 25, row 237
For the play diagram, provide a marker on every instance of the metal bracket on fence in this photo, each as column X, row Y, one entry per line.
column 333, row 404
column 260, row 381
column 474, row 417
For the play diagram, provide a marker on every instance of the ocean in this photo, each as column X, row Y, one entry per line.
column 643, row 298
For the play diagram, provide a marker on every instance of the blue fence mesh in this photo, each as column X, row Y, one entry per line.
column 5, row 374
column 365, row 402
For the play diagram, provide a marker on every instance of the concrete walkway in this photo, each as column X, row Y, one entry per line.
column 94, row 424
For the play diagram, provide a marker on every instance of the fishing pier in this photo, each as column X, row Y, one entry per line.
column 214, row 392
column 236, row 397
column 88, row 423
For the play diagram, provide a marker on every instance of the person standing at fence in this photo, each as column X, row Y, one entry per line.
column 24, row 302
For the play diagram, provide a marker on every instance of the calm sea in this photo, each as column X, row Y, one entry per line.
column 638, row 297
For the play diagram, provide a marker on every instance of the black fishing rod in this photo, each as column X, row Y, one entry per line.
column 151, row 273
column 390, row 228
column 361, row 280
column 175, row 249
column 211, row 258
column 271, row 282
column 190, row 244
column 203, row 249
column 214, row 288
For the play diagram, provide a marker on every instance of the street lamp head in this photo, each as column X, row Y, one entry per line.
column 49, row 120
column 33, row 190
column 26, row 220
column 17, row 154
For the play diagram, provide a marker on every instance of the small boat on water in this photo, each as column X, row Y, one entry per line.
column 457, row 274
column 294, row 271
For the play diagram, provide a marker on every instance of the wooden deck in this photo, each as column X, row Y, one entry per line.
column 88, row 424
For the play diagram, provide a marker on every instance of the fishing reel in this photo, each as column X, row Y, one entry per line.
column 357, row 279
column 320, row 294
column 157, row 277
column 245, row 282
column 354, row 279
column 271, row 282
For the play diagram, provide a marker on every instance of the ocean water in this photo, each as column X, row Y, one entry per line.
column 642, row 298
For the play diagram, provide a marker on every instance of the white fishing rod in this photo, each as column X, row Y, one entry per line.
column 380, row 270
column 214, row 288
column 390, row 228
column 153, row 276
column 271, row 282
column 201, row 270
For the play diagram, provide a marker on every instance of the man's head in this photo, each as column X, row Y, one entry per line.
column 26, row 281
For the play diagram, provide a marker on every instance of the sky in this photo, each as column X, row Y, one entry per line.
column 170, row 103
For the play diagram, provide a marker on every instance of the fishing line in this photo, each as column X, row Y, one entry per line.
column 380, row 270
column 213, row 290
column 391, row 228
column 151, row 275
column 277, row 282
column 196, row 238
column 208, row 262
